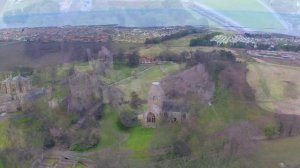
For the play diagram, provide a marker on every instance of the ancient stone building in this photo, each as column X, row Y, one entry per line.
column 102, row 63
column 160, row 109
column 16, row 87
column 16, row 93
column 155, row 102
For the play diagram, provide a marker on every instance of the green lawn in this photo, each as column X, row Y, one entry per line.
column 136, row 139
column 225, row 109
column 142, row 82
column 121, row 71
column 139, row 140
column 79, row 165
column 110, row 133
column 152, row 50
column 4, row 142
column 52, row 161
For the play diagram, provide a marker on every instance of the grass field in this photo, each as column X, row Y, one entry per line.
column 4, row 142
column 249, row 13
column 110, row 133
column 277, row 87
column 227, row 108
column 139, row 140
column 142, row 81
column 176, row 45
column 122, row 72
column 281, row 151
column 156, row 49
column 243, row 5
column 136, row 139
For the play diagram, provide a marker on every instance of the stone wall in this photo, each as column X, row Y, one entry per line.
column 11, row 106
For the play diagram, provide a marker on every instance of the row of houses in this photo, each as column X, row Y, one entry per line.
column 139, row 35
column 79, row 33
column 271, row 40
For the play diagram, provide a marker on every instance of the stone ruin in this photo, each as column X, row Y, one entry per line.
column 102, row 62
column 157, row 110
column 16, row 93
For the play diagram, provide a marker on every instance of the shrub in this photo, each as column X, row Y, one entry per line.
column 86, row 140
column 49, row 142
column 134, row 59
column 181, row 149
column 135, row 101
column 127, row 120
column 270, row 131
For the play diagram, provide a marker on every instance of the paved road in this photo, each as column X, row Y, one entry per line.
column 215, row 16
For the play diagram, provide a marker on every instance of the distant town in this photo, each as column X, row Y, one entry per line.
column 87, row 33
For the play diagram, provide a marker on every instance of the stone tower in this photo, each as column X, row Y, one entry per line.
column 155, row 102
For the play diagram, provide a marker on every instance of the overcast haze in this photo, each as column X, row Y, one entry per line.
column 262, row 15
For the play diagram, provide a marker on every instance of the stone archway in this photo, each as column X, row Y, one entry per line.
column 151, row 118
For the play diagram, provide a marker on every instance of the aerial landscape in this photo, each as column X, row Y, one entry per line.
column 149, row 84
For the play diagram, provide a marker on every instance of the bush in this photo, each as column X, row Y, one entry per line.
column 135, row 101
column 127, row 120
column 49, row 142
column 134, row 59
column 98, row 114
column 204, row 41
column 86, row 140
column 181, row 149
column 270, row 131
